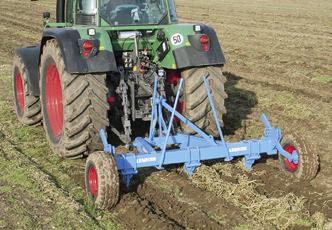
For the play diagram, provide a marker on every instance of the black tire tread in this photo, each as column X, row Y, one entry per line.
column 32, row 108
column 197, row 107
column 85, row 108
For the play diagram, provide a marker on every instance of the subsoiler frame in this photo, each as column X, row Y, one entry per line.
column 163, row 147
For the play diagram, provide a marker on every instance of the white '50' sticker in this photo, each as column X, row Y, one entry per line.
column 177, row 39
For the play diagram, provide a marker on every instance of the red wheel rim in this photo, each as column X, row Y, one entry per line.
column 19, row 90
column 54, row 103
column 291, row 166
column 93, row 181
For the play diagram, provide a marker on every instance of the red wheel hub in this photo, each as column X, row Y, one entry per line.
column 54, row 104
column 291, row 166
column 93, row 181
column 19, row 90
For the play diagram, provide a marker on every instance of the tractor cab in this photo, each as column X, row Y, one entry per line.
column 116, row 12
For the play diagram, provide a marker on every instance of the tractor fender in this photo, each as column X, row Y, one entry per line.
column 103, row 61
column 192, row 56
column 30, row 57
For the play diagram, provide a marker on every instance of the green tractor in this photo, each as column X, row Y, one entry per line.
column 95, row 67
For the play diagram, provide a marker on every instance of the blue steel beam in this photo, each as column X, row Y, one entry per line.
column 134, row 161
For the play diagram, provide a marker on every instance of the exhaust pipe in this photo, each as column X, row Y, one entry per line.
column 60, row 11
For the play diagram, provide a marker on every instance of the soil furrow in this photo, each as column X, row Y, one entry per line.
column 188, row 205
column 324, row 96
column 45, row 181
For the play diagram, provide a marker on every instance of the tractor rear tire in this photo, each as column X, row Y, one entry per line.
column 28, row 109
column 196, row 105
column 74, row 106
column 102, row 180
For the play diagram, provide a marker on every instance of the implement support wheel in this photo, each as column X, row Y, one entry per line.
column 308, row 164
column 102, row 180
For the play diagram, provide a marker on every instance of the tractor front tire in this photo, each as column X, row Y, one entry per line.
column 28, row 109
column 74, row 106
column 196, row 105
column 102, row 180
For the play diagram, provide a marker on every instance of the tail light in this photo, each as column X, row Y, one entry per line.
column 88, row 47
column 205, row 42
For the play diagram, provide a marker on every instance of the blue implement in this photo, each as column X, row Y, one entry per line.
column 163, row 148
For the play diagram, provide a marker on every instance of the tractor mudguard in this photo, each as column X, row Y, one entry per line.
column 192, row 56
column 30, row 57
column 103, row 61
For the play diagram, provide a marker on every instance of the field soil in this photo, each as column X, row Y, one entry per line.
column 279, row 61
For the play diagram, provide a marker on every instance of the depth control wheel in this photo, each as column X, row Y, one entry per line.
column 102, row 180
column 27, row 107
column 307, row 167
